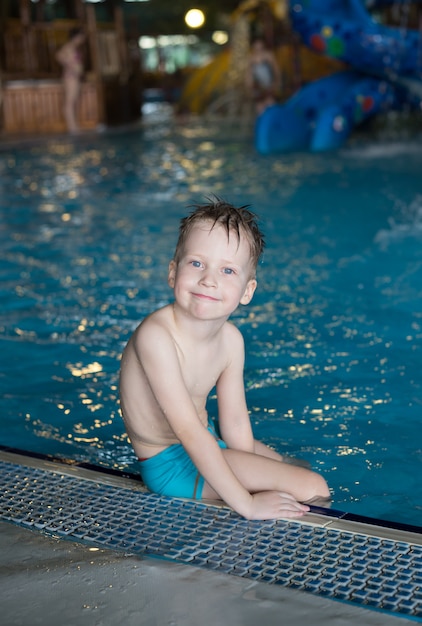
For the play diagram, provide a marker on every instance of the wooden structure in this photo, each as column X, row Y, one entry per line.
column 31, row 92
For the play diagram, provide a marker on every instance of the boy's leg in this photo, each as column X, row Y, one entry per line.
column 261, row 448
column 260, row 473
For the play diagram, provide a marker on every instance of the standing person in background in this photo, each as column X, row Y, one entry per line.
column 70, row 58
column 263, row 76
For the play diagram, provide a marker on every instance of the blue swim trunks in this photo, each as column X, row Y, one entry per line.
column 172, row 473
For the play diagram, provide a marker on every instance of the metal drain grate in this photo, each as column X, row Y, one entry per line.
column 381, row 573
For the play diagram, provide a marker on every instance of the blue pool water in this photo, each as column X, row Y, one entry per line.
column 333, row 334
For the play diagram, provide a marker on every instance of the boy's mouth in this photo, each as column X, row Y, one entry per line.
column 203, row 296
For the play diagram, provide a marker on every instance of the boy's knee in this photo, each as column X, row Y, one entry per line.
column 317, row 487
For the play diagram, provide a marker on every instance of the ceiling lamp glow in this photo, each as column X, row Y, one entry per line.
column 220, row 37
column 194, row 18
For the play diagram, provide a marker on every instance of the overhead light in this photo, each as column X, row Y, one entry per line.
column 220, row 37
column 195, row 18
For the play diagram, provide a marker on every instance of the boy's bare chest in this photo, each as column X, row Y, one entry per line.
column 201, row 370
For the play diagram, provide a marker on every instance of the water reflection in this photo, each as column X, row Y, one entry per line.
column 333, row 333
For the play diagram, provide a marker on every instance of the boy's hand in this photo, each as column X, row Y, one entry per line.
column 275, row 505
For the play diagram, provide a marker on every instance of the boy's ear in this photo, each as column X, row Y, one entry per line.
column 172, row 273
column 249, row 291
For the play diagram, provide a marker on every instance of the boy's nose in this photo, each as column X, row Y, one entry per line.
column 208, row 278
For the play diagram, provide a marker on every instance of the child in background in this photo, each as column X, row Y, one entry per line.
column 263, row 78
column 70, row 57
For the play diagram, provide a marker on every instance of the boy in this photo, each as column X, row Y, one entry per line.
column 180, row 352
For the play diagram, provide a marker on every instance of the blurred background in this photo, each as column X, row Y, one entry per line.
column 190, row 54
column 140, row 51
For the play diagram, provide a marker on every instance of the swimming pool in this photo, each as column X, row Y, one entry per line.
column 333, row 334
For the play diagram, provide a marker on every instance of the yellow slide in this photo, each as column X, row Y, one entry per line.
column 205, row 84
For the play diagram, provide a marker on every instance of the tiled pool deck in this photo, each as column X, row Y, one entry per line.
column 328, row 555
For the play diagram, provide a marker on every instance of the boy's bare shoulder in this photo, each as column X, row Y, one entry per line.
column 232, row 347
column 232, row 336
column 155, row 325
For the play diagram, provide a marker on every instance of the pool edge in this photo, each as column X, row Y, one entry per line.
column 318, row 516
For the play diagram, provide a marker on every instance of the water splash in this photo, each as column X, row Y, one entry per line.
column 408, row 225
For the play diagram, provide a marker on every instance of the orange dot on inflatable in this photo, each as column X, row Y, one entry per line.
column 317, row 43
column 367, row 103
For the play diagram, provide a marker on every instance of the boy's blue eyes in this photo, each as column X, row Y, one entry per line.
column 226, row 270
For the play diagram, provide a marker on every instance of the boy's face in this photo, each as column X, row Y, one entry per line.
column 214, row 273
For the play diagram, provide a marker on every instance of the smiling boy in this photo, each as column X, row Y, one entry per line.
column 179, row 353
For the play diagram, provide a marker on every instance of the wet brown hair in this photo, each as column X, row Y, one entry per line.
column 238, row 220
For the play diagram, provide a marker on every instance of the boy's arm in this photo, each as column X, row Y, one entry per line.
column 233, row 416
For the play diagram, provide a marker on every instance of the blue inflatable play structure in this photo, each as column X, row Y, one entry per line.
column 387, row 72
